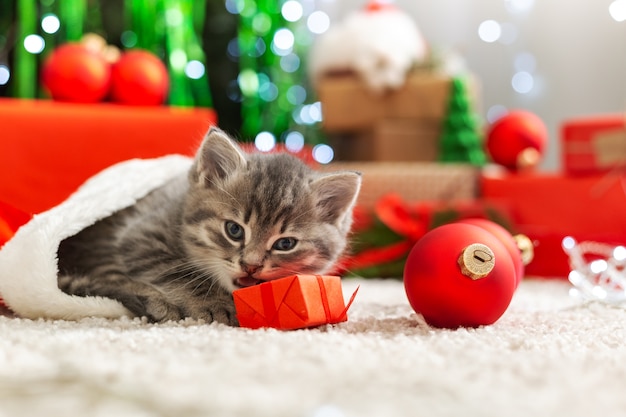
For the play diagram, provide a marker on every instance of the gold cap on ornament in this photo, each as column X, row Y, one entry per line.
column 526, row 248
column 477, row 261
column 528, row 158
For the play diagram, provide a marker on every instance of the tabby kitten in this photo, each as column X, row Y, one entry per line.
column 233, row 221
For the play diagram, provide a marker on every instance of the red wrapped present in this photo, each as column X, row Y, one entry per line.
column 594, row 144
column 49, row 148
column 293, row 302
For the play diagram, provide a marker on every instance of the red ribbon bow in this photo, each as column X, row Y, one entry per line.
column 408, row 222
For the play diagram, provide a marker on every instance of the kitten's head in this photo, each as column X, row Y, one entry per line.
column 258, row 217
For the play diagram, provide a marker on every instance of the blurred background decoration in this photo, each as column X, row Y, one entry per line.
column 244, row 58
column 556, row 59
column 173, row 30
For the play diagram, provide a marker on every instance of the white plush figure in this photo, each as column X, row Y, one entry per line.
column 380, row 44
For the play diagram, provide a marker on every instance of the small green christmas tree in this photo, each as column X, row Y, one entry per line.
column 460, row 140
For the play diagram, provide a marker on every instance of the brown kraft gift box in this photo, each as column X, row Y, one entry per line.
column 399, row 125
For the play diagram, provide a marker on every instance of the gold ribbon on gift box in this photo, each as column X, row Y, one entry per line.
column 610, row 148
column 607, row 147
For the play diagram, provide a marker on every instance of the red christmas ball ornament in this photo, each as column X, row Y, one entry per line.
column 517, row 140
column 139, row 78
column 519, row 247
column 459, row 275
column 74, row 73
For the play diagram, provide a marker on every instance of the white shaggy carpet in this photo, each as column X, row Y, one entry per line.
column 549, row 355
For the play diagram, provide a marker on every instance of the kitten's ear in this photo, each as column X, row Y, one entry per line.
column 218, row 157
column 336, row 194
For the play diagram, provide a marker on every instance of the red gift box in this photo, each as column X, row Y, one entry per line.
column 49, row 148
column 594, row 144
column 293, row 302
column 549, row 207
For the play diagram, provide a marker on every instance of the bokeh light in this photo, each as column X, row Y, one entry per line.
column 265, row 141
column 568, row 243
column 309, row 114
column 315, row 111
column 318, row 22
column 259, row 48
column 248, row 82
column 495, row 112
column 194, row 69
column 234, row 6
column 290, row 63
column 129, row 38
column 489, row 31
column 50, row 23
column 294, row 142
column 292, row 11
column 619, row 253
column 296, row 94
column 34, row 44
column 261, row 23
column 522, row 82
column 598, row 265
column 233, row 91
column 283, row 42
column 519, row 6
column 323, row 154
column 232, row 50
column 5, row 74
column 268, row 91
column 174, row 17
column 617, row 10
column 248, row 8
column 178, row 59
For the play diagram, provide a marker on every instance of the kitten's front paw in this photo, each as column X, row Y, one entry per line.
column 222, row 314
column 159, row 310
column 162, row 311
column 219, row 309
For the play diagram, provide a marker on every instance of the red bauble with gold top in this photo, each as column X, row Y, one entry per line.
column 459, row 275
column 517, row 140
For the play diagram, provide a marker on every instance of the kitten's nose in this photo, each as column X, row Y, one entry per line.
column 250, row 269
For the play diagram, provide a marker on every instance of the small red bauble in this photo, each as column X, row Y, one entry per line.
column 459, row 275
column 517, row 140
column 74, row 73
column 139, row 78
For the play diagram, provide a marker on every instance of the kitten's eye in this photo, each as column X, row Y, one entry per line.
column 285, row 244
column 234, row 231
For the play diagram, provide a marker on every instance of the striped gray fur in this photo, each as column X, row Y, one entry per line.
column 234, row 220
